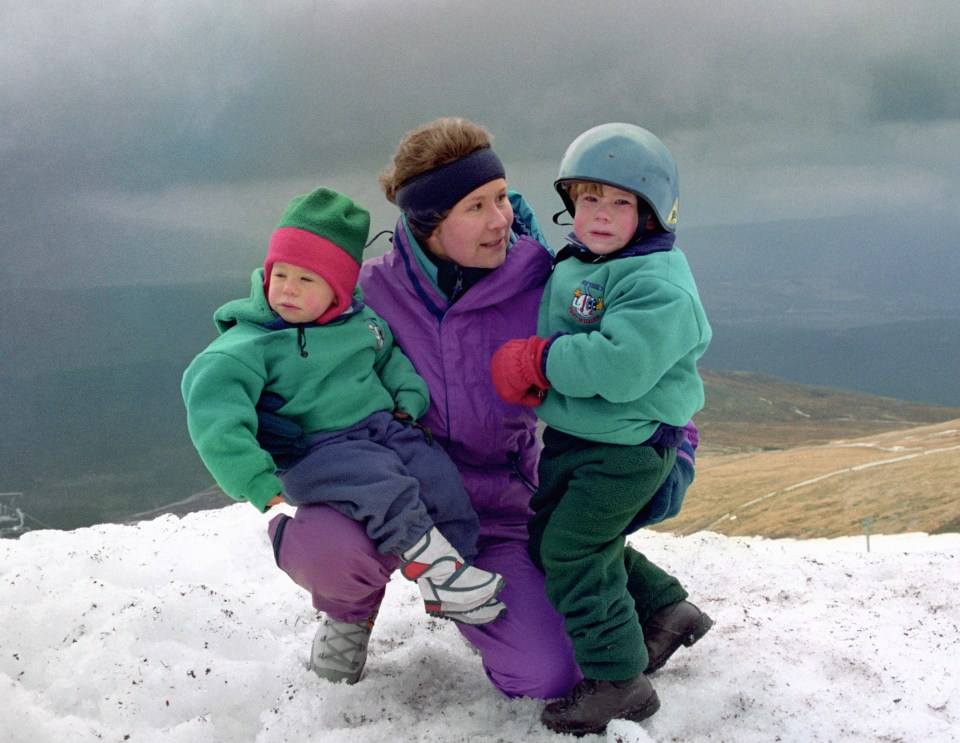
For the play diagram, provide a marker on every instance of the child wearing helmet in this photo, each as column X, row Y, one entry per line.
column 613, row 374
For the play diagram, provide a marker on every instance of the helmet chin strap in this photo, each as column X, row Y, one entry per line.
column 556, row 218
column 644, row 215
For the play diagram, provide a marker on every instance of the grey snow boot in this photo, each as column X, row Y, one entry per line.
column 451, row 589
column 339, row 649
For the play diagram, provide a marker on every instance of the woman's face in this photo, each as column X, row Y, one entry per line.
column 476, row 232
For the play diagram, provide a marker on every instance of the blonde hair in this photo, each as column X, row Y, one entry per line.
column 644, row 211
column 575, row 188
column 440, row 141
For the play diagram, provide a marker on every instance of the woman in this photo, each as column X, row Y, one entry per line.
column 465, row 274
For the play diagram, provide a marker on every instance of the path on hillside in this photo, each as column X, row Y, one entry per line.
column 729, row 515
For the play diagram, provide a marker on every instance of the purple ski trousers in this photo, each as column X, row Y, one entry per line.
column 525, row 653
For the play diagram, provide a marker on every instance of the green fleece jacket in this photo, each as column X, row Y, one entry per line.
column 331, row 377
column 634, row 329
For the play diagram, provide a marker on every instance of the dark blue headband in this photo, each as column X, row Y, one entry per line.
column 426, row 198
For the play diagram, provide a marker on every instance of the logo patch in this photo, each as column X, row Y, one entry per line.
column 378, row 332
column 672, row 216
column 587, row 303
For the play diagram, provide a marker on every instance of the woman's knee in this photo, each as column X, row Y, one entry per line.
column 526, row 653
column 543, row 675
column 331, row 557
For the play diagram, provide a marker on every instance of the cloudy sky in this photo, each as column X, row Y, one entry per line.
column 123, row 121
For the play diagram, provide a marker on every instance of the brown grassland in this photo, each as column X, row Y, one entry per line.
column 784, row 460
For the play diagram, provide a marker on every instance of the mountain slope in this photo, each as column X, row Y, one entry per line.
column 747, row 411
column 892, row 483
column 779, row 459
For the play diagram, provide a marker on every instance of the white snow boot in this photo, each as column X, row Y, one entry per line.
column 481, row 615
column 451, row 588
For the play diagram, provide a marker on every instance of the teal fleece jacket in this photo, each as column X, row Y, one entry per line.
column 634, row 328
column 351, row 369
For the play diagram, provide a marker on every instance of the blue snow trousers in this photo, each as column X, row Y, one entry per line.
column 385, row 474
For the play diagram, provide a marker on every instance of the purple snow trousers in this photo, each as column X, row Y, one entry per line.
column 525, row 652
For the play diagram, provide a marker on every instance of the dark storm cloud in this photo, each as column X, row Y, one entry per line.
column 913, row 90
column 161, row 110
column 147, row 92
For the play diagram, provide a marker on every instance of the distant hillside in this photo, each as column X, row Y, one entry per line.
column 779, row 459
column 748, row 411
column 890, row 483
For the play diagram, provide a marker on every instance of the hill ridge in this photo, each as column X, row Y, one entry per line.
column 889, row 482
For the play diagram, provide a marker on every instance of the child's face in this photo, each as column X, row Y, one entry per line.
column 605, row 223
column 298, row 295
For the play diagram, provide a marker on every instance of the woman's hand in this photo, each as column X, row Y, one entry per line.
column 517, row 371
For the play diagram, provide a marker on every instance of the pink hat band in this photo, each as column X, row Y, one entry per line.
column 315, row 253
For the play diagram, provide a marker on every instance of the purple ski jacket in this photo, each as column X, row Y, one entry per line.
column 493, row 443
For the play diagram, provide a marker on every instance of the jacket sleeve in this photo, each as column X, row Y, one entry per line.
column 398, row 375
column 645, row 331
column 220, row 394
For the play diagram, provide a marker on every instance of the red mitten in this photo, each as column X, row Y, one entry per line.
column 517, row 373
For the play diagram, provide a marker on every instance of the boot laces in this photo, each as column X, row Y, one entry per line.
column 346, row 642
column 585, row 688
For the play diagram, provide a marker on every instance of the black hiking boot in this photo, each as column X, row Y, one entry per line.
column 592, row 704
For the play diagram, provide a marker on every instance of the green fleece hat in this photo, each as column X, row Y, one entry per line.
column 324, row 232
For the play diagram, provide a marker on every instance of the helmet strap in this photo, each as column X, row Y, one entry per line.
column 644, row 212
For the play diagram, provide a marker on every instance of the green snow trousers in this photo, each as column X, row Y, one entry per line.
column 588, row 494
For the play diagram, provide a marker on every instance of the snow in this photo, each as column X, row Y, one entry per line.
column 183, row 630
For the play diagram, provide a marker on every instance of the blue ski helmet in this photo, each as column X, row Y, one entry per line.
column 629, row 158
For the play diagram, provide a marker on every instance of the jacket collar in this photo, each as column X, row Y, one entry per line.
column 527, row 262
column 278, row 323
column 658, row 243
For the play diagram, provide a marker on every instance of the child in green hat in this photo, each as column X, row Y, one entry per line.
column 305, row 337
